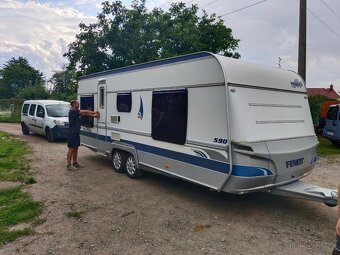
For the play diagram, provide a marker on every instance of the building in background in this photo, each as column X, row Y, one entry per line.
column 330, row 92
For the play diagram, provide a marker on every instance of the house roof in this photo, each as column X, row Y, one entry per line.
column 327, row 92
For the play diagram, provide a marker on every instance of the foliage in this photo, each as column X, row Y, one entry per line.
column 10, row 110
column 123, row 36
column 32, row 92
column 326, row 148
column 13, row 167
column 16, row 75
column 314, row 103
column 16, row 207
column 64, row 85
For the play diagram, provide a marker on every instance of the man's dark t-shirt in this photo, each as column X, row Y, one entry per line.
column 74, row 121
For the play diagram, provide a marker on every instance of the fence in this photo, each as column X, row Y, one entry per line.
column 10, row 110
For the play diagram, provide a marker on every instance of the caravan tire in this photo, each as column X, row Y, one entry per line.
column 131, row 168
column 118, row 161
column 25, row 129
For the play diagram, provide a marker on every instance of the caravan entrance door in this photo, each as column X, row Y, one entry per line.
column 102, row 126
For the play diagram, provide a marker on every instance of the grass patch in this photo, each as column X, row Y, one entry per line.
column 326, row 148
column 16, row 207
column 74, row 214
column 13, row 166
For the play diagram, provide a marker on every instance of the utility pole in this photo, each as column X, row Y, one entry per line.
column 302, row 39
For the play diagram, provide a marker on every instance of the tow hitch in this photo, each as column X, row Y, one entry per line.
column 300, row 189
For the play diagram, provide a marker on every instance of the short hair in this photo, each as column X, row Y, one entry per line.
column 73, row 102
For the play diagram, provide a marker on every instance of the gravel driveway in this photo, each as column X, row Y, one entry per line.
column 160, row 215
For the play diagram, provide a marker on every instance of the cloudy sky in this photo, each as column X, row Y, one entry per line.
column 40, row 31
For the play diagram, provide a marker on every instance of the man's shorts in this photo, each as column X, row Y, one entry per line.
column 73, row 140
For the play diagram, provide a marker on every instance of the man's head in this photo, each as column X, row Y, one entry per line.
column 74, row 104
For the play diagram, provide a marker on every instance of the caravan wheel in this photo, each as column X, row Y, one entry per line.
column 131, row 168
column 118, row 161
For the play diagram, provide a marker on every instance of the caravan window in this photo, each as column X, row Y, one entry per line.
column 169, row 116
column 32, row 109
column 124, row 102
column 101, row 97
column 87, row 103
column 332, row 113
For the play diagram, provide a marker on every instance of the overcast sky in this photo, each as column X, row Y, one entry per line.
column 41, row 30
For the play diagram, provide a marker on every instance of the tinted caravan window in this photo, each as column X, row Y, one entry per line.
column 101, row 97
column 169, row 116
column 332, row 113
column 124, row 102
column 87, row 103
column 25, row 109
column 32, row 109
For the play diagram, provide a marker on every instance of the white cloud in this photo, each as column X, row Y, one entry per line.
column 38, row 32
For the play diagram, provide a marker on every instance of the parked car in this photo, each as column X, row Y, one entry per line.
column 45, row 117
column 332, row 126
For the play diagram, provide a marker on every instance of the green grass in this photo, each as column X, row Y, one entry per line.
column 13, row 166
column 16, row 207
column 74, row 214
column 326, row 148
column 9, row 118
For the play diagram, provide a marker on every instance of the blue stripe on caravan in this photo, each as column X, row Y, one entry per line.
column 148, row 64
column 241, row 171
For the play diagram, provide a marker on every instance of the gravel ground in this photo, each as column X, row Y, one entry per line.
column 160, row 215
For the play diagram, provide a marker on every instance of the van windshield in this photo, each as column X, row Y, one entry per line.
column 57, row 110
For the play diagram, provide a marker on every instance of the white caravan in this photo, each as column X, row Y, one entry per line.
column 212, row 120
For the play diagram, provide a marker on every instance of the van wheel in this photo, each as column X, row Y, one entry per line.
column 118, row 161
column 49, row 136
column 131, row 168
column 336, row 143
column 25, row 129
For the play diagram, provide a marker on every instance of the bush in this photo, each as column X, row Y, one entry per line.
column 314, row 103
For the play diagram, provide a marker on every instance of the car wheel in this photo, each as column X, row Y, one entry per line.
column 49, row 135
column 25, row 129
column 118, row 161
column 131, row 168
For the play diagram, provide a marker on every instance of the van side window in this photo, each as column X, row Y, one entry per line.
column 40, row 111
column 169, row 116
column 25, row 109
column 332, row 113
column 101, row 97
column 32, row 109
column 124, row 102
column 87, row 103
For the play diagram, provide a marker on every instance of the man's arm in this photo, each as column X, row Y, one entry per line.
column 89, row 113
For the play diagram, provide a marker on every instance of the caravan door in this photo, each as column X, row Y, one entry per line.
column 102, row 125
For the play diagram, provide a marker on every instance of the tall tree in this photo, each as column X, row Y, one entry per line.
column 64, row 84
column 16, row 75
column 123, row 36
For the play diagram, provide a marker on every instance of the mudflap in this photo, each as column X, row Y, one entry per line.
column 303, row 190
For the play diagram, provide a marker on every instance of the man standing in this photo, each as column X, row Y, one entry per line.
column 336, row 250
column 73, row 139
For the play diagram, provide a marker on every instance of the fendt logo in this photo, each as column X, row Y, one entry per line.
column 294, row 162
column 296, row 84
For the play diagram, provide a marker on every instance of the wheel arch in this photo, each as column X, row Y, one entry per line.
column 125, row 148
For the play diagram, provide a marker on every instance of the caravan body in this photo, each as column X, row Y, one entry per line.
column 212, row 120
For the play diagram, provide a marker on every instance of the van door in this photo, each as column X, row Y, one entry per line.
column 102, row 126
column 39, row 122
column 332, row 126
column 31, row 118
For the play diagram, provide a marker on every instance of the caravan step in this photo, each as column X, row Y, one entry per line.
column 303, row 190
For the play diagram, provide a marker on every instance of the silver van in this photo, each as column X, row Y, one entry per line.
column 45, row 117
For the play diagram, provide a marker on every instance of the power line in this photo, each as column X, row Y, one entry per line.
column 245, row 7
column 329, row 8
column 324, row 23
column 209, row 3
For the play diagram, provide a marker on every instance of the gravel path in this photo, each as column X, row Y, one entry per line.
column 160, row 215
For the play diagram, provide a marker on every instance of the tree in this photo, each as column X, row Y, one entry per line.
column 16, row 75
column 123, row 36
column 64, row 85
column 32, row 92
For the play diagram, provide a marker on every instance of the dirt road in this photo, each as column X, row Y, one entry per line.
column 159, row 215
